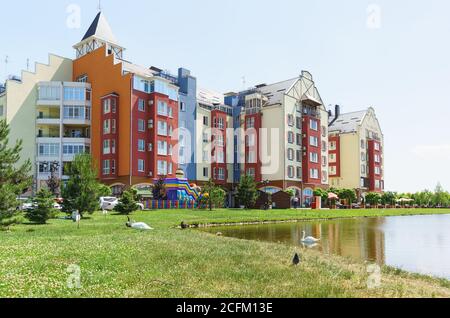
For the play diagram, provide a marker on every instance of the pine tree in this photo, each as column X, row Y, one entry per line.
column 13, row 180
column 215, row 194
column 43, row 210
column 247, row 193
column 127, row 204
column 81, row 192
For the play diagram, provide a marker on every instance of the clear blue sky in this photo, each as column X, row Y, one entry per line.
column 401, row 68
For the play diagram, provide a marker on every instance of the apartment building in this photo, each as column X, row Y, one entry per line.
column 356, row 158
column 284, row 129
column 214, row 145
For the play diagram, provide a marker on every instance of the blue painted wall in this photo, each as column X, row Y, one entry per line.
column 188, row 96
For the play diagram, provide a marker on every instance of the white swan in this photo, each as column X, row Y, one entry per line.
column 309, row 239
column 138, row 226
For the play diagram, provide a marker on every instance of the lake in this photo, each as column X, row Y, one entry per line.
column 419, row 244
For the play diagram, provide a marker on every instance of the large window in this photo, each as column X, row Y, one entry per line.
column 49, row 92
column 313, row 157
column 220, row 173
column 162, row 148
column 162, row 168
column 141, row 165
column 314, row 141
column 291, row 172
column 251, row 122
column 314, row 174
column 48, row 150
column 74, row 149
column 141, row 105
column 107, row 126
column 77, row 112
column 162, row 128
column 106, row 147
column 290, row 154
column 314, row 125
column 74, row 93
column 332, row 145
column 162, row 108
column 106, row 106
column 141, row 145
column 106, row 167
column 141, row 125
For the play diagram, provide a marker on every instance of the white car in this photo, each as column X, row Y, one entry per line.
column 109, row 204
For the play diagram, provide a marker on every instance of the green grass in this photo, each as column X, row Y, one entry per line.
column 168, row 262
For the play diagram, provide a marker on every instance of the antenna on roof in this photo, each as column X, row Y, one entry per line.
column 28, row 64
column 99, row 5
column 244, row 82
column 6, row 65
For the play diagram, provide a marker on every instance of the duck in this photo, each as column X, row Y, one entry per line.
column 138, row 226
column 309, row 239
column 296, row 260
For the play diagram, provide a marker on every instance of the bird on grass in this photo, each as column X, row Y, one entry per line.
column 296, row 260
column 184, row 225
column 138, row 226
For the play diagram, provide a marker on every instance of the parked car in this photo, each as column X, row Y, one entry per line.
column 109, row 204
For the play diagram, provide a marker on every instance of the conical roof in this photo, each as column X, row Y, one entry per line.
column 100, row 29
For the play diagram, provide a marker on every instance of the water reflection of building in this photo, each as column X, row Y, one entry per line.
column 352, row 238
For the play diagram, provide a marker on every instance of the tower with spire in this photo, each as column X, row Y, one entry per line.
column 99, row 34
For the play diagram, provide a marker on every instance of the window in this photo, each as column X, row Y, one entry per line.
column 299, row 139
column 377, row 159
column 106, row 106
column 299, row 156
column 107, row 126
column 299, row 173
column 290, row 137
column 324, row 176
column 77, row 112
column 205, row 172
column 220, row 173
column 170, row 169
column 314, row 141
column 49, row 92
column 324, row 161
column 162, row 148
column 251, row 157
column 220, row 156
column 250, row 122
column 219, row 123
column 377, row 171
column 113, row 106
column 377, row 184
column 106, row 147
column 182, row 107
column 74, row 93
column 205, row 121
column 162, row 128
column 141, row 165
column 333, row 170
column 150, row 147
column 324, row 131
column 313, row 124
column 298, row 121
column 82, row 79
column 363, row 144
column 313, row 157
column 205, row 138
column 332, row 157
column 251, row 172
column 205, row 156
column 141, row 105
column 290, row 154
column 162, row 168
column 170, row 112
column 106, row 167
column 219, row 141
column 113, row 126
column 332, row 145
column 141, row 125
column 363, row 157
column 113, row 146
column 314, row 174
column 363, row 169
column 377, row 146
column 141, row 145
column 291, row 172
column 324, row 146
column 113, row 166
column 162, row 108
column 73, row 149
column 291, row 120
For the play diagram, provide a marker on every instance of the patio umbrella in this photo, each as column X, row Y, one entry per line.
column 332, row 196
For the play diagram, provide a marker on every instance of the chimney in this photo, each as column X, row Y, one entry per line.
column 337, row 114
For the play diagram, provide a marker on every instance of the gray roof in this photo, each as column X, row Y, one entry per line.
column 348, row 122
column 137, row 69
column 275, row 92
column 100, row 29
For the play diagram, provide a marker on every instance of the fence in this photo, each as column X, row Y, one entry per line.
column 166, row 205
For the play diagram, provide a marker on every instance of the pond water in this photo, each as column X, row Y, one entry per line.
column 419, row 244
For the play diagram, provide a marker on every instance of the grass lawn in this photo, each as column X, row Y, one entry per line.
column 169, row 262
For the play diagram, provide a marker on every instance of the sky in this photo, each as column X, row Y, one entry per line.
column 391, row 55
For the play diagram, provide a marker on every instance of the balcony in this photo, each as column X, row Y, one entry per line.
column 48, row 120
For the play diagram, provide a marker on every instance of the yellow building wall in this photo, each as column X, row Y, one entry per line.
column 21, row 98
column 273, row 117
column 350, row 161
